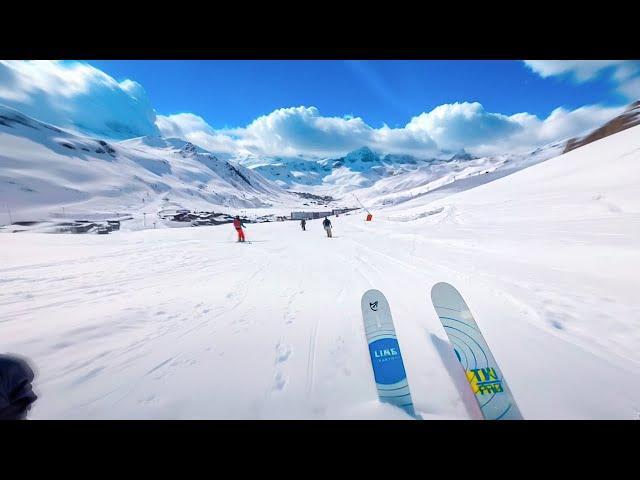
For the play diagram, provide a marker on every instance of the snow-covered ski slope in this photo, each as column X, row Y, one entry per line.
column 186, row 323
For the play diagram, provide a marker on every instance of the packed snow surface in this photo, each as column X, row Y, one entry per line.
column 187, row 323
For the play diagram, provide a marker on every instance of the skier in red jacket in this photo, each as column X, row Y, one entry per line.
column 237, row 223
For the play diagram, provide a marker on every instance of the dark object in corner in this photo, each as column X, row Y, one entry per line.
column 16, row 395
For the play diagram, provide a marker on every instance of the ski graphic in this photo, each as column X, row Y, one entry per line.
column 386, row 358
column 485, row 378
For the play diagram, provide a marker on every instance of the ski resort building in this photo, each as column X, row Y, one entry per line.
column 310, row 215
column 338, row 211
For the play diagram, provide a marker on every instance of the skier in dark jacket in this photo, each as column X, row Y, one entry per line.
column 16, row 395
column 237, row 223
column 326, row 223
column 303, row 224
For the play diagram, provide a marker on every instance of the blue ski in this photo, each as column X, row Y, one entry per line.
column 386, row 358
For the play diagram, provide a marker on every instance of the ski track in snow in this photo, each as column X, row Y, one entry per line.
column 178, row 313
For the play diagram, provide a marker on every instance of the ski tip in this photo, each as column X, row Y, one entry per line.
column 441, row 287
column 372, row 297
column 372, row 292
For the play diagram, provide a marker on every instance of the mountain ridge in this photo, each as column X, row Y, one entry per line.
column 45, row 168
column 629, row 118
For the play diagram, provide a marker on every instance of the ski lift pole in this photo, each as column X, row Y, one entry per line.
column 10, row 216
column 369, row 215
column 365, row 208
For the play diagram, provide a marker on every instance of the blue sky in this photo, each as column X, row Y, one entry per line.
column 233, row 93
column 317, row 109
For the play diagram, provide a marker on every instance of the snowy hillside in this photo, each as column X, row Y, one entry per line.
column 461, row 173
column 189, row 324
column 334, row 176
column 44, row 169
column 390, row 179
column 49, row 172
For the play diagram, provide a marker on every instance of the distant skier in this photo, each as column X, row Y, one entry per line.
column 303, row 224
column 16, row 395
column 237, row 223
column 326, row 223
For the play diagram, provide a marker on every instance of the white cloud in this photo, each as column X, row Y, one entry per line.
column 457, row 125
column 297, row 130
column 624, row 73
column 631, row 88
column 181, row 124
column 289, row 130
column 303, row 130
column 582, row 70
column 196, row 130
column 77, row 95
column 561, row 124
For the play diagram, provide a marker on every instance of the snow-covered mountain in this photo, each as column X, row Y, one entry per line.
column 459, row 173
column 360, row 168
column 381, row 179
column 44, row 168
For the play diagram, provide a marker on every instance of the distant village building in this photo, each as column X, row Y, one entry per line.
column 310, row 215
column 338, row 211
